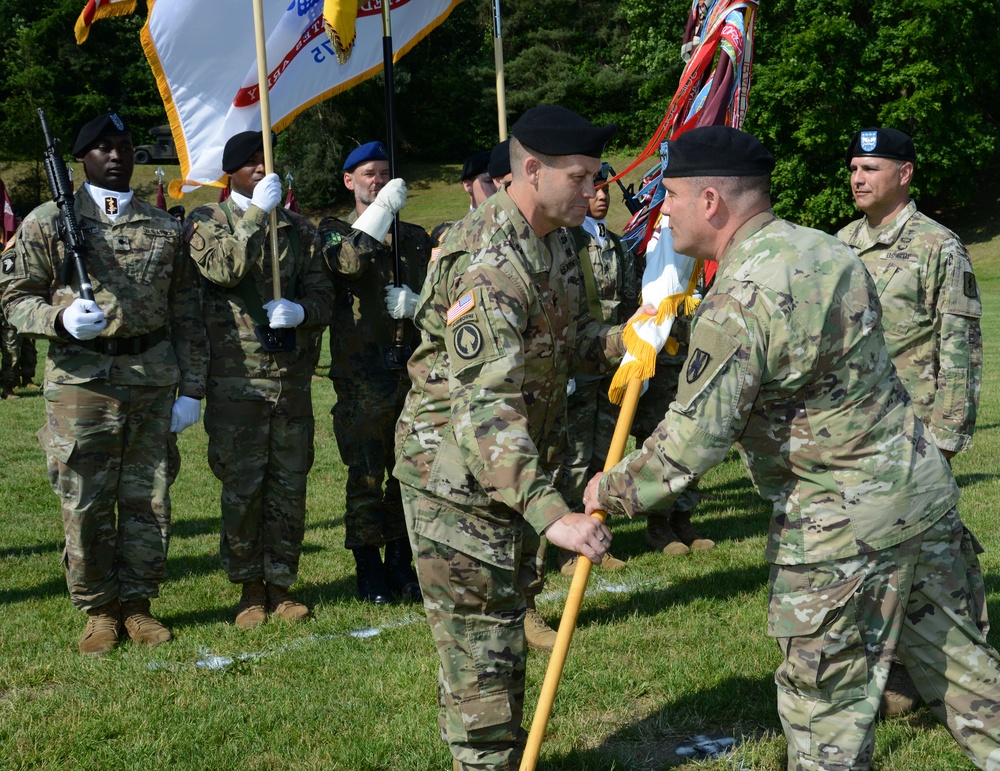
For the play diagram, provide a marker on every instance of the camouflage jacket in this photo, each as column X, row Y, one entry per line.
column 612, row 276
column 930, row 313
column 143, row 281
column 227, row 258
column 503, row 320
column 362, row 268
column 787, row 360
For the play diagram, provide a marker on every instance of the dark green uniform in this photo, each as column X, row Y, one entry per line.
column 370, row 391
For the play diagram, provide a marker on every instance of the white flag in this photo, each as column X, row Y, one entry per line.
column 668, row 282
column 203, row 55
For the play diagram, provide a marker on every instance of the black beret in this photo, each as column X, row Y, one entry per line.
column 499, row 166
column 475, row 164
column 103, row 125
column 241, row 148
column 715, row 151
column 881, row 143
column 553, row 130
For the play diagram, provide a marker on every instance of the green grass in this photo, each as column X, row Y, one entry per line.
column 666, row 649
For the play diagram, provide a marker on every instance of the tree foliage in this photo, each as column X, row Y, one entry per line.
column 822, row 70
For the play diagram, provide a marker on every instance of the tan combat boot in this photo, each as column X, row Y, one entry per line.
column 539, row 635
column 141, row 626
column 900, row 696
column 284, row 606
column 103, row 629
column 252, row 610
column 680, row 523
column 661, row 537
column 567, row 562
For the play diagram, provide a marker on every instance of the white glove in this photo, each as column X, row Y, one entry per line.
column 284, row 313
column 400, row 301
column 186, row 412
column 267, row 193
column 83, row 319
column 376, row 219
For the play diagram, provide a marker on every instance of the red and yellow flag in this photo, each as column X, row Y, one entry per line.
column 100, row 9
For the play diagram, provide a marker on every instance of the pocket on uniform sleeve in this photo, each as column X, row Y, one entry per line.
column 820, row 632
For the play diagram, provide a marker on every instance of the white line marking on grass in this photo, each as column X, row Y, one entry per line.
column 211, row 661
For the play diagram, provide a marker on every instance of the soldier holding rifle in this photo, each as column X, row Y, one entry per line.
column 105, row 277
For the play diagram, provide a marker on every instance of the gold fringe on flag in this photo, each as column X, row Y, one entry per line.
column 100, row 9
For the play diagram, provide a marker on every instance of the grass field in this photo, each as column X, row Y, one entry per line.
column 665, row 650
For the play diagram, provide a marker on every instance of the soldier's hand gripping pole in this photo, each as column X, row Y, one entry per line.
column 567, row 625
column 69, row 231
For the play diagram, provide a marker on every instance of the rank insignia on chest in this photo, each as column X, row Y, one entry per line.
column 968, row 284
column 110, row 204
column 468, row 340
column 697, row 363
column 121, row 243
column 465, row 304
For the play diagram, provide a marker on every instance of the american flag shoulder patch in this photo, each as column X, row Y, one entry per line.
column 465, row 304
column 435, row 253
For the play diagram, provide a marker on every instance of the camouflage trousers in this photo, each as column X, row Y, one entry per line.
column 260, row 446
column 590, row 424
column 364, row 424
column 110, row 452
column 839, row 623
column 18, row 358
column 476, row 614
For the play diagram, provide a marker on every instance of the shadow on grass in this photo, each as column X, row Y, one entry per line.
column 719, row 585
column 731, row 708
column 971, row 480
column 52, row 588
column 13, row 552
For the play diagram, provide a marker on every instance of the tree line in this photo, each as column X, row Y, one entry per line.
column 821, row 71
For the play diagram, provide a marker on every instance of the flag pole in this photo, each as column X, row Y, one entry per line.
column 498, row 64
column 567, row 624
column 265, row 132
column 390, row 130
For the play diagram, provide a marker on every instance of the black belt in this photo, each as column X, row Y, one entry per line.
column 124, row 346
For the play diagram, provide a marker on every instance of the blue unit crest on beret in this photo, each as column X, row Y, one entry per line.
column 868, row 140
column 664, row 155
column 117, row 121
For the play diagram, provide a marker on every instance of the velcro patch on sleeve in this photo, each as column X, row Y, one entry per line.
column 471, row 338
column 463, row 305
column 710, row 350
column 963, row 297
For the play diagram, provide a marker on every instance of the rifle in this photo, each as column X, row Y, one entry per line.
column 69, row 229
column 628, row 193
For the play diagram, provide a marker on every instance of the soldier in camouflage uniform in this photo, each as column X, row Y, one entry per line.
column 869, row 556
column 258, row 413
column 124, row 374
column 930, row 307
column 612, row 294
column 371, row 338
column 17, row 353
column 504, row 321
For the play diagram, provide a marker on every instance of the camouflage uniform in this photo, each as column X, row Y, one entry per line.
column 504, row 321
column 258, row 414
column 18, row 356
column 609, row 276
column 869, row 557
column 930, row 314
column 109, row 400
column 369, row 395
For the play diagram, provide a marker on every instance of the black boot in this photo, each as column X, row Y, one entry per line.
column 371, row 579
column 399, row 573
